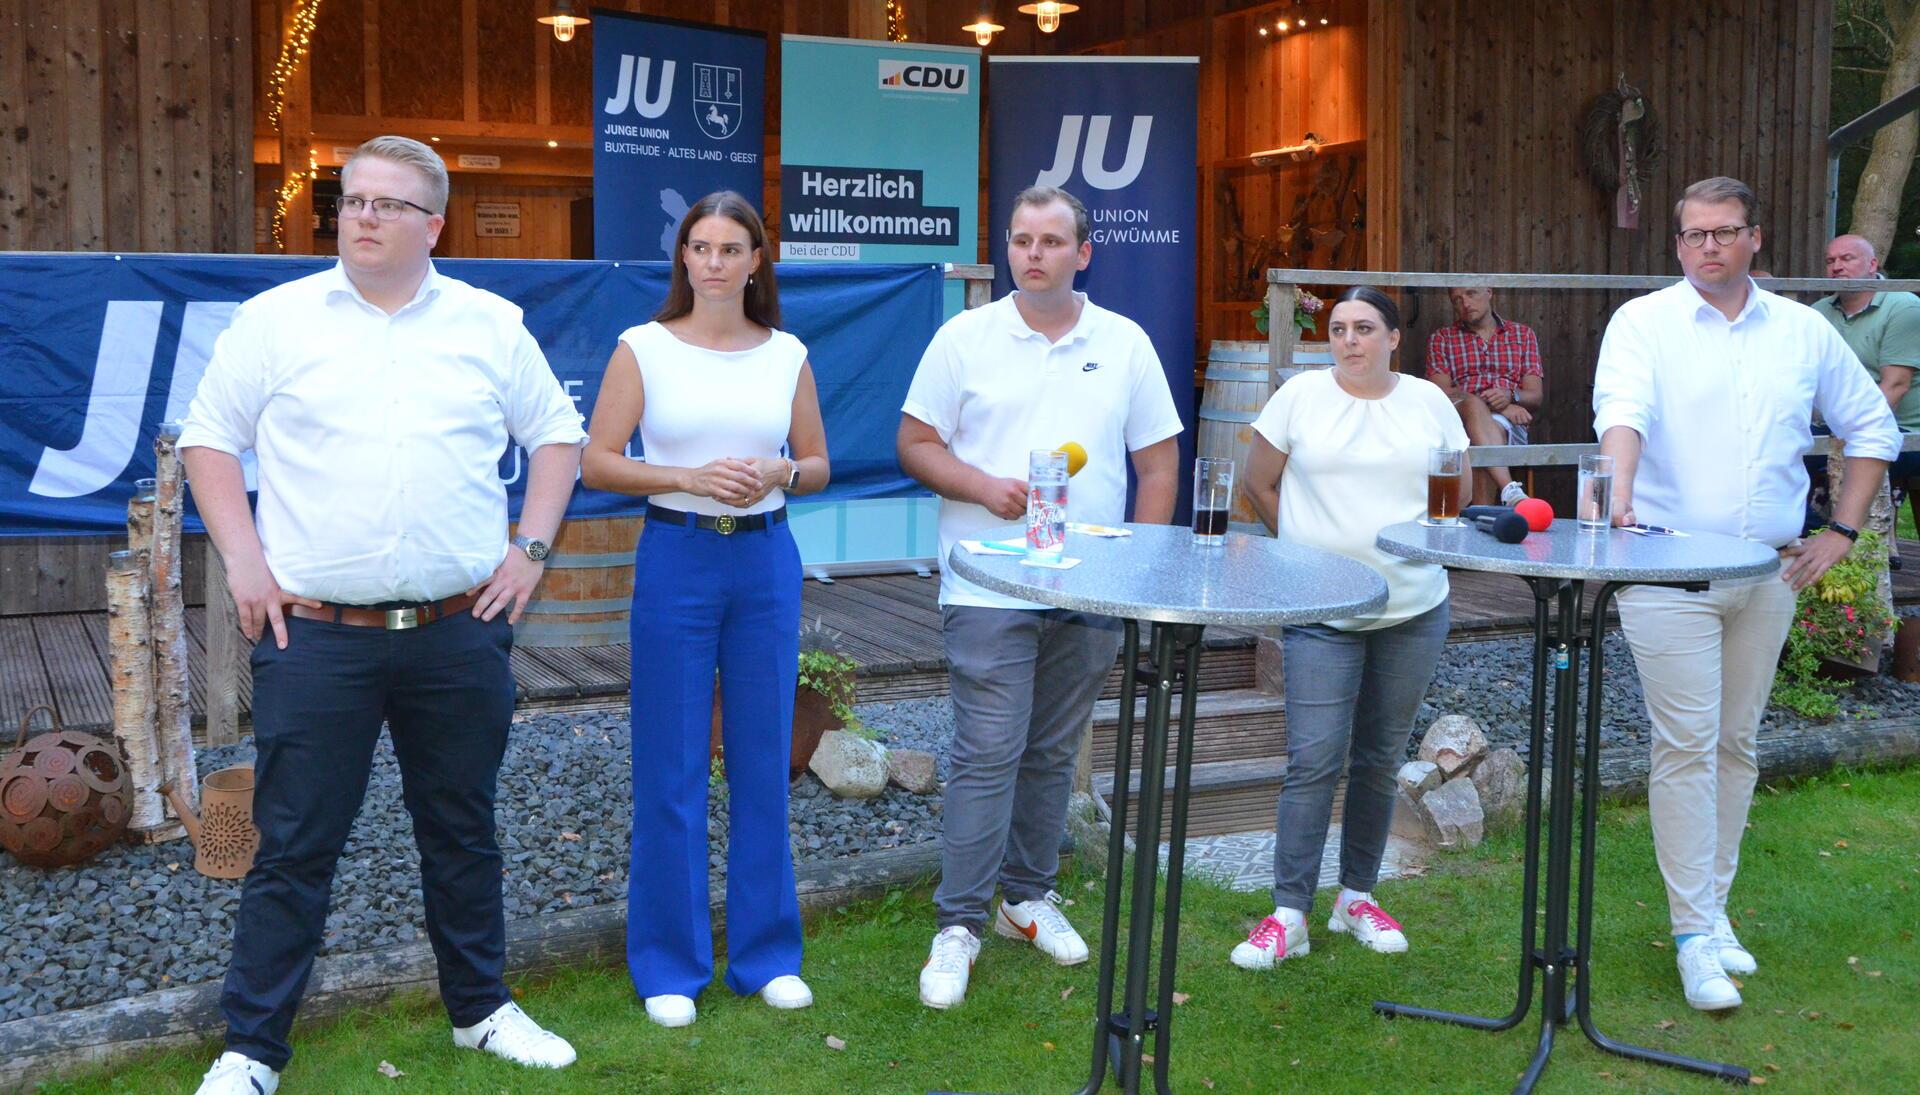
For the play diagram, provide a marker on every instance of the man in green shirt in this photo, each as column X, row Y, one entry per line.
column 1882, row 328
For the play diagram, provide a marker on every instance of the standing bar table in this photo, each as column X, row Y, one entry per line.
column 1160, row 577
column 1557, row 564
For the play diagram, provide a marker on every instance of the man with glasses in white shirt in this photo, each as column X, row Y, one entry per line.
column 1703, row 396
column 379, row 585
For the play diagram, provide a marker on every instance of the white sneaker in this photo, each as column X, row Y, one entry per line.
column 1733, row 957
column 787, row 991
column 1041, row 923
column 1275, row 939
column 238, row 1074
column 1512, row 494
column 943, row 980
column 1707, row 985
column 670, row 1011
column 1372, row 928
column 512, row 1034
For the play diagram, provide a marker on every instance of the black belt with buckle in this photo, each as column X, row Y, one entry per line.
column 726, row 524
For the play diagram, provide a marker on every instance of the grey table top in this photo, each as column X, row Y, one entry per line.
column 1563, row 551
column 1158, row 574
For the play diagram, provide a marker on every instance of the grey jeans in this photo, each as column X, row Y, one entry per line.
column 1023, row 683
column 1351, row 698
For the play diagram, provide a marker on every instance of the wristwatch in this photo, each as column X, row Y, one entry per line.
column 1848, row 531
column 793, row 477
column 537, row 550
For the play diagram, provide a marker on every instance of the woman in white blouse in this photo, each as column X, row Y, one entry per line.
column 729, row 422
column 1337, row 455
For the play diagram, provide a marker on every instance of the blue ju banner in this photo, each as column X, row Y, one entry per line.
column 879, row 151
column 1120, row 135
column 100, row 349
column 679, row 111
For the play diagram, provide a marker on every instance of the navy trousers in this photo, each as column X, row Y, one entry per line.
column 445, row 691
column 701, row 601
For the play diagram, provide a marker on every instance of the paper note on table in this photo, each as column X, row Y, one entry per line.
column 1055, row 564
column 994, row 547
column 1098, row 530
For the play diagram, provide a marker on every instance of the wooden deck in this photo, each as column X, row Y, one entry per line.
column 889, row 624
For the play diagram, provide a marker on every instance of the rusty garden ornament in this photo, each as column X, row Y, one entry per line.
column 64, row 796
column 224, row 838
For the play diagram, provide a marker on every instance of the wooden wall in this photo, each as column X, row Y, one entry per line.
column 1490, row 152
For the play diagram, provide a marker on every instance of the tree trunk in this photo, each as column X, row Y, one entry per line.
column 130, row 649
column 173, row 717
column 1876, row 202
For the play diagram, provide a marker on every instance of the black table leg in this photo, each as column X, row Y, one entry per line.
column 1120, row 1037
column 1590, row 787
column 1543, row 593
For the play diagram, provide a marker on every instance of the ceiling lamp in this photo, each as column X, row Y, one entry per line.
column 983, row 29
column 560, row 16
column 1047, row 14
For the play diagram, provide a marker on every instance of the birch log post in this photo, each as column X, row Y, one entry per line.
column 130, row 649
column 226, row 655
column 167, row 613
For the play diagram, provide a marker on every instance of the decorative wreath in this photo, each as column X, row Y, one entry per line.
column 1601, row 130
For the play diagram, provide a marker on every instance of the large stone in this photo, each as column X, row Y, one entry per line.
column 914, row 770
column 1417, row 777
column 849, row 765
column 1411, row 821
column 1455, row 743
column 1454, row 807
column 1501, row 780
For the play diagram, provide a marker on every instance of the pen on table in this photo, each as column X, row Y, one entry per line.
column 1658, row 530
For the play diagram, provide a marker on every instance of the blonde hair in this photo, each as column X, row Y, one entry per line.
column 1713, row 191
column 409, row 153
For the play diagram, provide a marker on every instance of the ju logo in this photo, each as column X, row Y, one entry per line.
column 717, row 100
column 1093, row 162
column 630, row 88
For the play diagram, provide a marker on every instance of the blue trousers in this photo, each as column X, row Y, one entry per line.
column 703, row 601
column 445, row 691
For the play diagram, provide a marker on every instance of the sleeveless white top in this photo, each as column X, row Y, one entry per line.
column 704, row 404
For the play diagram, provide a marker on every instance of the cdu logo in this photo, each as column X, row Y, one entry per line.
column 896, row 75
column 716, row 100
column 630, row 87
column 1093, row 162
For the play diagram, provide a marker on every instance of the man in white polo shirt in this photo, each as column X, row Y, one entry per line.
column 379, row 584
column 1036, row 369
column 1703, row 396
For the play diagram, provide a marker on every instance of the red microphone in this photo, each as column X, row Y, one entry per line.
column 1537, row 512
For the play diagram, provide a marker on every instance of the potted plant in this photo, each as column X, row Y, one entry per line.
column 823, row 695
column 1305, row 307
column 1839, row 623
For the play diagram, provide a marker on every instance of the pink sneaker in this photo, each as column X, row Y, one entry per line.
column 1271, row 942
column 1372, row 928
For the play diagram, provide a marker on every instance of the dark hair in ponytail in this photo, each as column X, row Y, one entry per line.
column 1379, row 301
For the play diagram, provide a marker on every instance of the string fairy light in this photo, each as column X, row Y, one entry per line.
column 289, row 190
column 896, row 21
column 293, row 48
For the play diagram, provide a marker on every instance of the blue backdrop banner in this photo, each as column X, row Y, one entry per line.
column 679, row 111
column 1120, row 134
column 100, row 349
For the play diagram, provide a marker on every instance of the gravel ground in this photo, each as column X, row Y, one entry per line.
column 140, row 918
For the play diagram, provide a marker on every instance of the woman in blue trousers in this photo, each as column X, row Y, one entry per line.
column 729, row 421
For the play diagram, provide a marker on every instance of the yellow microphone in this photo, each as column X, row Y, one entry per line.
column 1076, row 457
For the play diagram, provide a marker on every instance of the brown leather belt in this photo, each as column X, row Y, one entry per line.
column 392, row 619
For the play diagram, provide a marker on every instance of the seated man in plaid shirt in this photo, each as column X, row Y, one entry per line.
column 1490, row 368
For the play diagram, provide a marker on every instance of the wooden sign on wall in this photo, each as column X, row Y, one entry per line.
column 496, row 219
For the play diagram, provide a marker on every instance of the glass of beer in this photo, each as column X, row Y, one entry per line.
column 1445, row 468
column 1212, row 500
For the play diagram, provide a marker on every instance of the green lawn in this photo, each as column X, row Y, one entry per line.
column 1826, row 900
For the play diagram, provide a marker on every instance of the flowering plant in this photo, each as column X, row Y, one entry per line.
column 1305, row 307
column 1839, row 618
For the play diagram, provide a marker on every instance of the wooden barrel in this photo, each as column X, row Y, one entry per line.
column 586, row 594
column 1233, row 395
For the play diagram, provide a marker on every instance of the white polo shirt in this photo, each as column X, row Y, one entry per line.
column 1722, row 408
column 994, row 389
column 379, row 437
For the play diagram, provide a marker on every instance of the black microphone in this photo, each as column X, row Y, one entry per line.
column 1498, row 522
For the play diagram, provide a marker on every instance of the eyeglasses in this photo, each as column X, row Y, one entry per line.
column 1724, row 235
column 386, row 209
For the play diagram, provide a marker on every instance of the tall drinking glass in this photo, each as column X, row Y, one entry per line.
column 1445, row 468
column 1212, row 500
column 1594, row 499
column 1046, row 505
